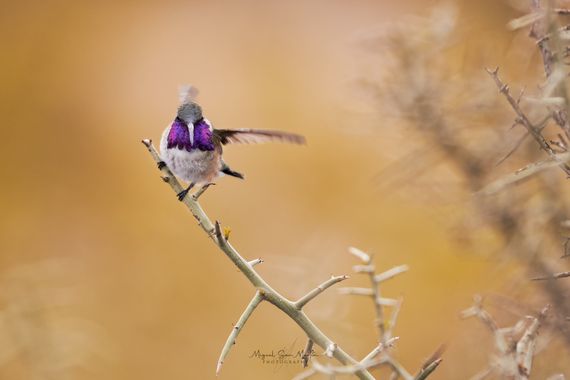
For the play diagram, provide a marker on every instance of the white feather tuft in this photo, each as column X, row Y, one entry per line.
column 187, row 93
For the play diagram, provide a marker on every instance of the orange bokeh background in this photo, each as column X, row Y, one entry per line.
column 106, row 276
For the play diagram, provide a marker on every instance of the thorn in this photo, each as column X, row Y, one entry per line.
column 147, row 142
column 161, row 165
column 218, row 232
column 255, row 262
column 331, row 348
column 165, row 179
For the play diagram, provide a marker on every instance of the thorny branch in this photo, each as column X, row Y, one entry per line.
column 380, row 355
column 515, row 351
column 526, row 220
column 264, row 291
column 523, row 119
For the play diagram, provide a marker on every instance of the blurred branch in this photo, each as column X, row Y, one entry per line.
column 526, row 221
column 380, row 348
column 553, row 276
column 523, row 120
column 428, row 369
column 264, row 291
column 515, row 353
column 524, row 173
column 333, row 371
column 380, row 355
column 526, row 345
column 385, row 328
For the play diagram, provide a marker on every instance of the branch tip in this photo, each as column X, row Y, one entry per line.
column 318, row 290
column 427, row 370
column 359, row 254
column 231, row 340
column 255, row 262
column 492, row 72
column 391, row 273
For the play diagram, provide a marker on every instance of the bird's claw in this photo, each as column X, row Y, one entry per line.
column 181, row 195
column 161, row 165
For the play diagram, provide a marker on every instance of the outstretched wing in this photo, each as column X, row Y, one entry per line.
column 256, row 136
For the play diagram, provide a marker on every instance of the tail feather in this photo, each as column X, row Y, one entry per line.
column 226, row 170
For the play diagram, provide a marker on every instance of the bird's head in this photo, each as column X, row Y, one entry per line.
column 190, row 112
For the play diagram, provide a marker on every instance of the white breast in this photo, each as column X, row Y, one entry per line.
column 196, row 166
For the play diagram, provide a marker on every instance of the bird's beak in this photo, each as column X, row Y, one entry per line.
column 191, row 130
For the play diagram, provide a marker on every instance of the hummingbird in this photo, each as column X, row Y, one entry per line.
column 192, row 148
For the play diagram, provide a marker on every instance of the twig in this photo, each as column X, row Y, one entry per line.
column 516, row 355
column 382, row 301
column 356, row 291
column 254, row 262
column 306, row 374
column 566, row 246
column 525, row 346
column 201, row 191
column 359, row 254
column 519, row 142
column 477, row 311
column 523, row 119
column 307, row 353
column 537, row 32
column 318, row 290
column 237, row 329
column 427, row 370
column 346, row 370
column 430, row 364
column 553, row 276
column 524, row 173
column 390, row 273
column 393, row 318
column 385, row 332
column 399, row 369
column 380, row 348
column 266, row 291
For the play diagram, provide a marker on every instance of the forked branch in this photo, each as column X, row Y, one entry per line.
column 264, row 291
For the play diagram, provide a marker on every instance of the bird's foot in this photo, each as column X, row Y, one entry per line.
column 181, row 195
column 161, row 165
column 201, row 191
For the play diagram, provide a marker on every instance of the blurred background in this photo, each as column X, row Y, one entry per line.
column 104, row 275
